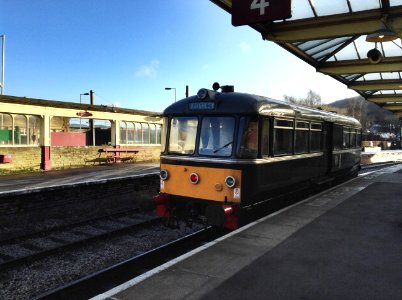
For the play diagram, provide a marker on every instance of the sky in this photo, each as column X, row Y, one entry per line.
column 129, row 51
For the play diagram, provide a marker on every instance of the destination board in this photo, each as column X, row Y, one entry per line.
column 201, row 105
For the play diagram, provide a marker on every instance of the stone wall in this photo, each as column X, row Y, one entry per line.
column 32, row 210
column 29, row 158
column 24, row 158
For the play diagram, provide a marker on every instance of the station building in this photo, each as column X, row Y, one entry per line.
column 38, row 134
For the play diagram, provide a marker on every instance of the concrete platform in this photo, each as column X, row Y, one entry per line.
column 345, row 243
column 21, row 182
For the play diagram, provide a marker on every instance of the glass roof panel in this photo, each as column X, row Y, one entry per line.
column 326, row 47
column 349, row 52
column 391, row 48
column 387, row 92
column 372, row 76
column 390, row 75
column 310, row 44
column 326, row 8
column 301, row 10
column 395, row 2
column 363, row 47
column 359, row 5
column 352, row 76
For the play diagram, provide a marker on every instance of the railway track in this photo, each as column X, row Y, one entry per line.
column 19, row 250
column 108, row 278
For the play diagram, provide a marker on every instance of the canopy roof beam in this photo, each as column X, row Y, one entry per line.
column 391, row 64
column 358, row 23
column 390, row 84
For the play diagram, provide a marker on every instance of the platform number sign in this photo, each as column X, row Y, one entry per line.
column 246, row 12
column 259, row 4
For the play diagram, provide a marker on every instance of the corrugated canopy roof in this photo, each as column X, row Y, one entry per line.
column 331, row 35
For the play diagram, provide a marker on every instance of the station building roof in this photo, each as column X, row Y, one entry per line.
column 74, row 106
column 332, row 37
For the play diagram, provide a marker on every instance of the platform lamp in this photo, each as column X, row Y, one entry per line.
column 381, row 35
column 170, row 88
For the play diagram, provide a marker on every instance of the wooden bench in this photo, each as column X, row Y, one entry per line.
column 113, row 155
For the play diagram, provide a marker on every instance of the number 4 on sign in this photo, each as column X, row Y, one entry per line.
column 259, row 4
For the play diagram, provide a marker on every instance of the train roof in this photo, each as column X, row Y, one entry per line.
column 213, row 102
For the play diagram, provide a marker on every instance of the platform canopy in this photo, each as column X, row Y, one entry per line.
column 335, row 37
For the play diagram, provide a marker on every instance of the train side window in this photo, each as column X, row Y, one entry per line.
column 283, row 137
column 338, row 136
column 249, row 138
column 265, row 137
column 315, row 136
column 353, row 138
column 346, row 138
column 358, row 138
column 301, row 137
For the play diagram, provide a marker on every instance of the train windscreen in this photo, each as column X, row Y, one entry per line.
column 216, row 136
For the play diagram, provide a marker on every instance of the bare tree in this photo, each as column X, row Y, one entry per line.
column 312, row 100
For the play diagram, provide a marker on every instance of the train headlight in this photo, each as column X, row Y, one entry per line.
column 194, row 178
column 164, row 174
column 230, row 181
column 202, row 94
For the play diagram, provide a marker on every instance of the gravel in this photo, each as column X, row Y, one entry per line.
column 37, row 277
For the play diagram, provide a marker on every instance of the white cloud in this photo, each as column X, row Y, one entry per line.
column 150, row 70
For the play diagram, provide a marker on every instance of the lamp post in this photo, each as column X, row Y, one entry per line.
column 3, row 38
column 84, row 94
column 170, row 88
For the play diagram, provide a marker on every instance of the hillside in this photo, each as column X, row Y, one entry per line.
column 373, row 111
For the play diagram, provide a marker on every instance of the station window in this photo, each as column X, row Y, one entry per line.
column 145, row 133
column 137, row 133
column 283, row 137
column 35, row 124
column 158, row 134
column 6, row 129
column 20, row 130
column 130, row 133
column 152, row 133
column 301, row 137
column 123, row 133
column 315, row 136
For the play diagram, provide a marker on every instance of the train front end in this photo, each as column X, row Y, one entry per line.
column 200, row 178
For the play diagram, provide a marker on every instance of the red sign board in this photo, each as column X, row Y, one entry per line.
column 84, row 114
column 246, row 12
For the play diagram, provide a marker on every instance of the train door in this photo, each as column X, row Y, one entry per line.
column 328, row 146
